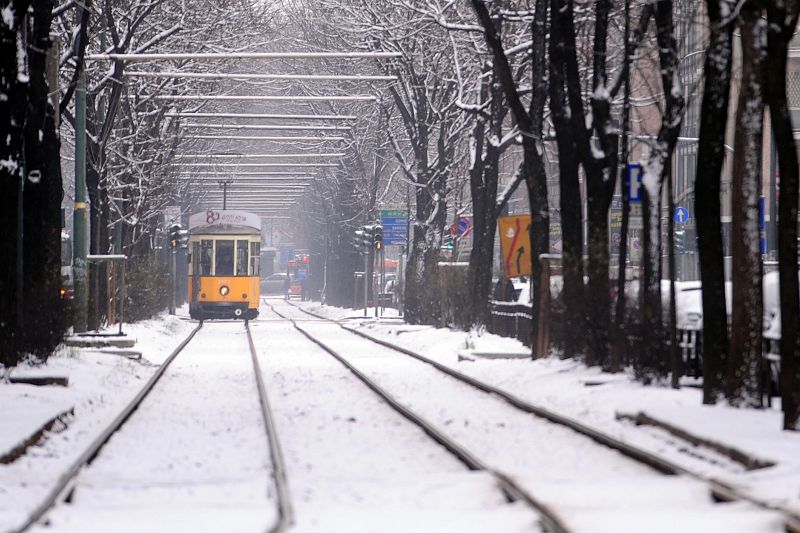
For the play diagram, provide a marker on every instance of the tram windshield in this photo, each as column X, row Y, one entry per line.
column 224, row 258
column 255, row 258
column 241, row 258
column 206, row 254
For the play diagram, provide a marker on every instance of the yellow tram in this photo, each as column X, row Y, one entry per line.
column 224, row 263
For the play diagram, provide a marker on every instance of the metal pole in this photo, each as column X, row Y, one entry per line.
column 772, row 233
column 80, row 216
column 20, row 293
column 366, row 287
column 174, row 281
column 383, row 279
column 243, row 55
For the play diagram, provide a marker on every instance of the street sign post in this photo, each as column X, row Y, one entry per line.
column 395, row 226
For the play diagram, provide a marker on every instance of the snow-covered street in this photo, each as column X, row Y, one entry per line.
column 195, row 456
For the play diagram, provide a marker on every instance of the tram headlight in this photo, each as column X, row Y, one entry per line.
column 224, row 290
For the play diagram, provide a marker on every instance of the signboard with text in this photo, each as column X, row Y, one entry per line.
column 395, row 226
column 217, row 217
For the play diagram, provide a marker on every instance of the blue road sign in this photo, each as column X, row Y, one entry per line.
column 681, row 215
column 395, row 226
column 633, row 182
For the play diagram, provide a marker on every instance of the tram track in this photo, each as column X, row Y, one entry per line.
column 720, row 491
column 284, row 504
column 63, row 486
column 551, row 522
column 63, row 489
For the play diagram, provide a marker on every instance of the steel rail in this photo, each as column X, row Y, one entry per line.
column 510, row 488
column 63, row 484
column 720, row 491
column 285, row 511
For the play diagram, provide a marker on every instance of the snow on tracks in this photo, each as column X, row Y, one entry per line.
column 592, row 487
column 355, row 464
column 193, row 455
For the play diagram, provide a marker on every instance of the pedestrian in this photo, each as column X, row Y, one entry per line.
column 287, row 284
column 303, row 287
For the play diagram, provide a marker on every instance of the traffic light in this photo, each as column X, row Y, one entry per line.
column 360, row 239
column 680, row 240
column 183, row 239
column 174, row 235
column 377, row 236
column 447, row 242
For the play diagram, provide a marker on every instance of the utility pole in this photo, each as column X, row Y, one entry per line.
column 224, row 185
column 80, row 216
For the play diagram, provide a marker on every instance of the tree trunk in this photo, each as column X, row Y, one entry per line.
column 782, row 17
column 13, row 99
column 570, row 195
column 536, row 174
column 653, row 360
column 530, row 122
column 743, row 384
column 45, row 321
column 710, row 157
column 483, row 189
column 34, row 324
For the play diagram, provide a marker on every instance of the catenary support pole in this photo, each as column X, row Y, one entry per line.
column 80, row 216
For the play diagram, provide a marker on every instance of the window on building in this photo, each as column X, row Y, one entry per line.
column 224, row 258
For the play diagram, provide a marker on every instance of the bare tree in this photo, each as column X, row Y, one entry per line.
column 30, row 187
column 743, row 383
column 782, row 17
column 710, row 156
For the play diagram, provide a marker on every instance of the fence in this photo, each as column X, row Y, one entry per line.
column 511, row 319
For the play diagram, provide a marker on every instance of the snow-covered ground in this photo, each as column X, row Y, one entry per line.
column 99, row 387
column 591, row 487
column 596, row 398
column 194, row 456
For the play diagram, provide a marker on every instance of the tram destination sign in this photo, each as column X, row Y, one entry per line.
column 216, row 217
column 395, row 226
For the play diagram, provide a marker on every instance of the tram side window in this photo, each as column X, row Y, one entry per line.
column 206, row 255
column 255, row 258
column 224, row 258
column 241, row 258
